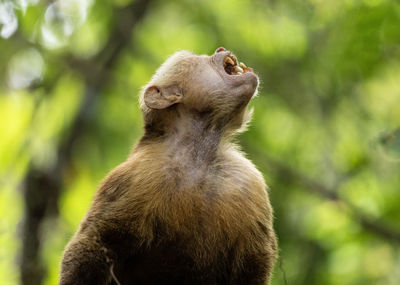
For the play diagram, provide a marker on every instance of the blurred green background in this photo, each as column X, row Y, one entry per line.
column 325, row 131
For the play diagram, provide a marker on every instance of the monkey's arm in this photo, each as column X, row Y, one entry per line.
column 256, row 269
column 84, row 262
column 87, row 259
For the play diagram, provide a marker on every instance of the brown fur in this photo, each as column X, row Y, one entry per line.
column 186, row 207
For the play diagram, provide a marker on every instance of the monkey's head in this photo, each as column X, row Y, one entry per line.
column 217, row 87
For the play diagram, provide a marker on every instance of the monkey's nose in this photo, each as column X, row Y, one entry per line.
column 220, row 49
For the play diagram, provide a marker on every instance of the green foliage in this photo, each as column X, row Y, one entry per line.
column 327, row 118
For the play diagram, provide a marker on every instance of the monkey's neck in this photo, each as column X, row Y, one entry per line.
column 194, row 139
column 189, row 139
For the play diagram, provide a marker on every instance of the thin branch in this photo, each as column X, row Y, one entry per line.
column 377, row 227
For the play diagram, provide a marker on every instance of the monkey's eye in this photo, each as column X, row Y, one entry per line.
column 232, row 68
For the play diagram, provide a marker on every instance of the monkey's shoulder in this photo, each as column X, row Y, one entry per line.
column 145, row 177
column 235, row 168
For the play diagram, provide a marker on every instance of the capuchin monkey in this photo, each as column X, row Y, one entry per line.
column 186, row 207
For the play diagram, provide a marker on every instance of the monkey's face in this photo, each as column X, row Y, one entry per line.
column 217, row 84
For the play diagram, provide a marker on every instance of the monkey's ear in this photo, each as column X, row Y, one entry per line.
column 156, row 97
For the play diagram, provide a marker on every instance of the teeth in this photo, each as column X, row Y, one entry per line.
column 234, row 59
column 229, row 60
column 238, row 69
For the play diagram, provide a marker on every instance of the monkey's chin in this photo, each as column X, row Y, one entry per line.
column 253, row 80
column 248, row 82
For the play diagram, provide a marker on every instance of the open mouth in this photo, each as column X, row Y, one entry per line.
column 232, row 67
